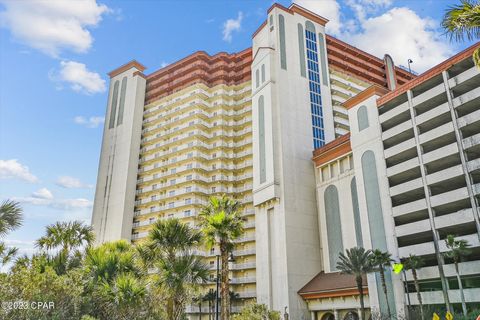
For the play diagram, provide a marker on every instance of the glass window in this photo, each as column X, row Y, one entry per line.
column 113, row 107
column 122, row 101
column 283, row 50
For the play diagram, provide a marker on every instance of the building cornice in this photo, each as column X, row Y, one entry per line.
column 332, row 150
column 364, row 95
column 127, row 66
column 428, row 74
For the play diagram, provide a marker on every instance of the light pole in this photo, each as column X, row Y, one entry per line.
column 409, row 61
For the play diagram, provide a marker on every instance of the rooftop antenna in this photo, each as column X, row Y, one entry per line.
column 409, row 61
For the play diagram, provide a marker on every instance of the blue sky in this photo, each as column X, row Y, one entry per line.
column 54, row 57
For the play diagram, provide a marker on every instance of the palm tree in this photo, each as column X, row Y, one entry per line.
column 105, row 262
column 356, row 262
column 210, row 297
column 66, row 236
column 381, row 260
column 168, row 251
column 6, row 254
column 123, row 296
column 463, row 21
column 10, row 216
column 458, row 250
column 413, row 262
column 170, row 236
column 222, row 224
column 10, row 219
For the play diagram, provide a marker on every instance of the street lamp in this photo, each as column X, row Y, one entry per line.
column 409, row 61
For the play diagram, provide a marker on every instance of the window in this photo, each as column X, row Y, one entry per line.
column 190, row 155
column 113, row 108
column 334, row 226
column 121, row 107
column 188, row 201
column 187, row 213
column 153, row 198
column 189, row 177
column 214, row 156
column 314, row 85
column 214, row 189
column 171, row 205
column 172, row 182
column 155, row 175
column 155, row 186
column 188, row 189
column 283, row 50
column 362, row 118
column 214, row 166
column 189, row 166
column 323, row 62
column 152, row 208
column 172, row 171
column 263, row 73
column 214, row 178
column 171, row 193
column 301, row 50
column 257, row 78
column 261, row 130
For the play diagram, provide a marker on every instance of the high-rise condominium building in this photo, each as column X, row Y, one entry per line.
column 405, row 177
column 245, row 125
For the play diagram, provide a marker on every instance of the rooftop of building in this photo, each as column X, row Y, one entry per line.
column 429, row 74
column 333, row 284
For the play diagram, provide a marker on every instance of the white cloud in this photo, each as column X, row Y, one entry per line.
column 404, row 35
column 61, row 204
column 378, row 29
column 11, row 169
column 329, row 9
column 42, row 193
column 232, row 25
column 52, row 26
column 92, row 122
column 79, row 77
column 72, row 183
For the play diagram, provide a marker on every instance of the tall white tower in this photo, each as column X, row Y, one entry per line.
column 292, row 115
column 117, row 173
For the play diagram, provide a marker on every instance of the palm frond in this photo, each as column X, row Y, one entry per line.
column 10, row 216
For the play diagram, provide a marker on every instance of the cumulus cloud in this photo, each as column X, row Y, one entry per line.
column 12, row 169
column 232, row 25
column 53, row 26
column 72, row 183
column 91, row 122
column 42, row 193
column 61, row 204
column 379, row 29
column 329, row 9
column 404, row 35
column 78, row 77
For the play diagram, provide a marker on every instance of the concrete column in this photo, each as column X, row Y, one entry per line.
column 359, row 312
column 459, row 137
column 313, row 315
column 431, row 213
column 335, row 314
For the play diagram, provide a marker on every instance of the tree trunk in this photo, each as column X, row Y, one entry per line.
column 225, row 290
column 384, row 285
column 170, row 309
column 419, row 296
column 460, row 286
column 359, row 281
